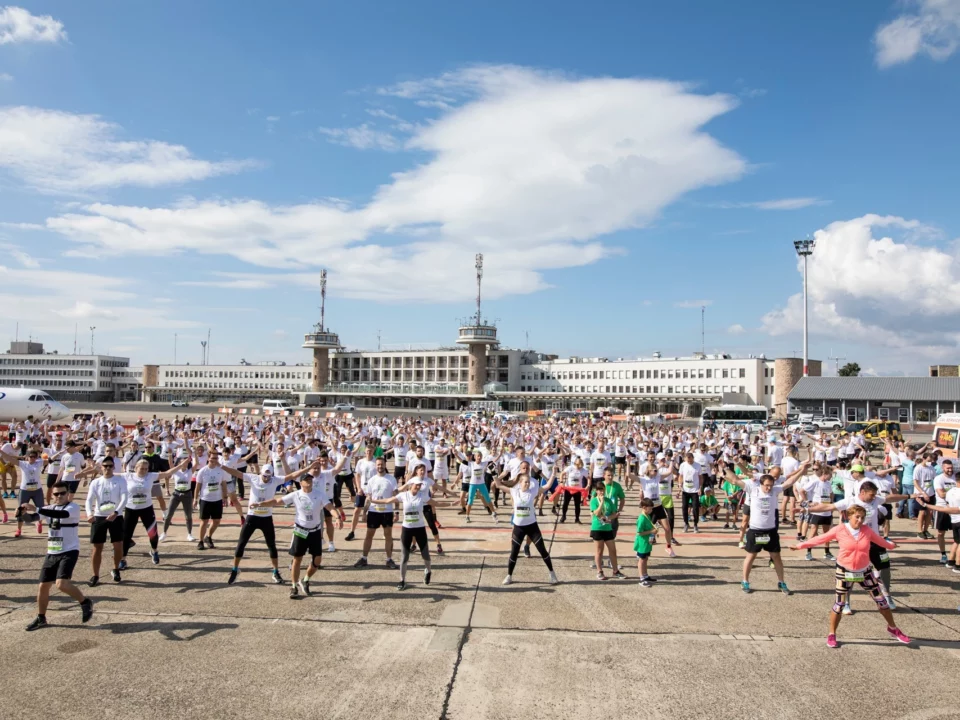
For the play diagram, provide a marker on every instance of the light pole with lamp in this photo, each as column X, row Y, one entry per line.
column 804, row 249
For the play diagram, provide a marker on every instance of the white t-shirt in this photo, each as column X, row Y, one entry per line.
column 524, row 512
column 209, row 481
column 413, row 507
column 874, row 510
column 262, row 488
column 953, row 500
column 379, row 487
column 690, row 477
column 138, row 490
column 763, row 506
column 308, row 506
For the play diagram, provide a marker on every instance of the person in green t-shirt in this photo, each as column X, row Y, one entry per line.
column 641, row 544
column 603, row 512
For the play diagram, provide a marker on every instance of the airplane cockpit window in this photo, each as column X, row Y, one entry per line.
column 34, row 398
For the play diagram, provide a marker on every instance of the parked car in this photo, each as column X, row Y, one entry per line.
column 828, row 423
column 344, row 407
column 179, row 403
column 802, row 426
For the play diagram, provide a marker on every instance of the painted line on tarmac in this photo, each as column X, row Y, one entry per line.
column 464, row 637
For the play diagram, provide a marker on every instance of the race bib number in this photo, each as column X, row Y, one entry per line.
column 181, row 486
column 308, row 517
column 411, row 518
column 884, row 557
column 300, row 533
column 664, row 488
column 854, row 577
column 261, row 511
column 688, row 486
column 31, row 485
column 379, row 508
column 764, row 504
column 212, row 487
column 522, row 512
column 138, row 498
column 54, row 544
column 108, row 507
column 761, row 539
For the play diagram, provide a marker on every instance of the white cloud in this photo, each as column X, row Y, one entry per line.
column 878, row 291
column 18, row 25
column 693, row 303
column 736, row 329
column 67, row 153
column 25, row 259
column 6, row 77
column 362, row 137
column 795, row 203
column 530, row 168
column 932, row 29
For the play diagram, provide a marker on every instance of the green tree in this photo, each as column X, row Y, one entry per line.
column 849, row 370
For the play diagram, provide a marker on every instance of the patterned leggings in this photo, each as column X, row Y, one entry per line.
column 847, row 579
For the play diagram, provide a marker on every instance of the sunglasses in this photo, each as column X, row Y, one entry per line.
column 59, row 494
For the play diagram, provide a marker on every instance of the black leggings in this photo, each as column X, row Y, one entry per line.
column 264, row 525
column 533, row 532
column 691, row 499
column 341, row 482
column 149, row 520
column 431, row 519
column 407, row 537
column 577, row 499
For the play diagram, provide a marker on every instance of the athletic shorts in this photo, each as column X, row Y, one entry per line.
column 312, row 544
column 399, row 471
column 788, row 492
column 37, row 497
column 619, row 461
column 943, row 521
column 956, row 534
column 211, row 509
column 379, row 519
column 464, row 487
column 156, row 491
column 101, row 527
column 879, row 557
column 643, row 556
column 359, row 500
column 746, row 510
column 772, row 545
column 51, row 480
column 441, row 471
column 821, row 520
column 72, row 486
column 59, row 566
column 658, row 513
column 327, row 514
column 347, row 481
column 602, row 535
column 474, row 489
column 832, row 463
column 231, row 486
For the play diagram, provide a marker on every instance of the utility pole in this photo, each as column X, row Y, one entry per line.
column 174, row 348
column 206, row 360
column 804, row 249
column 837, row 359
column 203, row 352
column 703, row 333
column 92, row 328
column 378, row 341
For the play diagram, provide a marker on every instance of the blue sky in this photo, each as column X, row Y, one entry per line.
column 171, row 167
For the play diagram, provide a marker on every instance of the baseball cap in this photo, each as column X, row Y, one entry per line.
column 856, row 468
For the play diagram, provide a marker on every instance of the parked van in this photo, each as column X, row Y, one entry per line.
column 277, row 405
column 946, row 434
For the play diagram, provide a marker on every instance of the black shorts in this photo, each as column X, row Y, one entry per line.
column 788, row 492
column 658, row 513
column 72, row 486
column 101, row 527
column 879, row 557
column 379, row 519
column 312, row 544
column 211, row 509
column 943, row 522
column 51, row 479
column 956, row 534
column 464, row 487
column 399, row 471
column 746, row 510
column 326, row 513
column 347, row 480
column 771, row 546
column 615, row 524
column 359, row 500
column 602, row 535
column 821, row 520
column 59, row 566
column 619, row 461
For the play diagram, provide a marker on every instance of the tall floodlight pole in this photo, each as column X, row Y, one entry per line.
column 805, row 250
column 479, row 278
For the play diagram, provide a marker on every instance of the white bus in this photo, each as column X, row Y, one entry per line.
column 752, row 415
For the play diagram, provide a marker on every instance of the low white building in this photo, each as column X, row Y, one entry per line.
column 83, row 378
column 224, row 382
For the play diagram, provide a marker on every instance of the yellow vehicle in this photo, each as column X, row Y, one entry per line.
column 875, row 431
column 946, row 434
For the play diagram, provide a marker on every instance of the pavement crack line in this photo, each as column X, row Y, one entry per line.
column 464, row 636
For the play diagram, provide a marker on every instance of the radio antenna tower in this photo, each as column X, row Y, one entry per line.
column 479, row 278
column 323, row 298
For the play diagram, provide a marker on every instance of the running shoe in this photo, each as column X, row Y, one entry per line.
column 741, row 545
column 782, row 586
column 890, row 603
column 201, row 546
column 391, row 564
column 686, row 528
column 808, row 556
column 233, row 576
column 898, row 634
column 577, row 522
column 427, row 574
column 163, row 537
column 39, row 526
column 350, row 536
column 770, row 564
column 94, row 581
column 562, row 519
column 190, row 538
column 305, row 587
column 115, row 575
column 593, row 566
column 832, row 641
column 943, row 560
column 646, row 583
column 619, row 575
column 86, row 612
column 745, row 586
column 927, row 535
column 122, row 565
column 496, row 519
column 951, row 564
column 526, row 551
column 671, row 553
column 210, row 542
column 439, row 549
column 468, row 518
column 553, row 578
column 401, row 586
column 462, row 511
column 361, row 563
column 677, row 542
column 847, row 610
column 155, row 556
column 800, row 537
column 957, row 570
column 696, row 530
column 39, row 622
column 726, row 526
column 508, row 580
column 828, row 556
column 601, row 576
column 18, row 533
column 331, row 548
column 293, row 592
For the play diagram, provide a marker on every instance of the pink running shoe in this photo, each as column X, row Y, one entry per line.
column 832, row 641
column 898, row 634
column 40, row 527
column 670, row 552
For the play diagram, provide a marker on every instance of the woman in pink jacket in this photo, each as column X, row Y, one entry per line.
column 853, row 567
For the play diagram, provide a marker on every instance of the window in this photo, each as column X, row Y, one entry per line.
column 709, row 374
column 743, row 374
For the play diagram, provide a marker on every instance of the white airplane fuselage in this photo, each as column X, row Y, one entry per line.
column 21, row 403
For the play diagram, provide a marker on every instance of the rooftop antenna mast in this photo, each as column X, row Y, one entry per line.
column 92, row 328
column 323, row 298
column 703, row 334
column 479, row 278
column 837, row 360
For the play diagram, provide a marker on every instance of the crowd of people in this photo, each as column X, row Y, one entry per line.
column 402, row 470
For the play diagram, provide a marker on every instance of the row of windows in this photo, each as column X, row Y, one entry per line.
column 409, row 375
column 768, row 372
column 638, row 389
column 247, row 374
column 68, row 383
column 242, row 385
column 48, row 362
column 669, row 374
column 419, row 361
column 768, row 389
column 44, row 373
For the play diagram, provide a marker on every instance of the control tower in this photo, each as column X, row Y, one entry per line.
column 321, row 341
column 477, row 334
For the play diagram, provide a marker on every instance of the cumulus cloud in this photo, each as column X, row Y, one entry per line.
column 62, row 152
column 19, row 25
column 932, row 28
column 362, row 137
column 6, row 77
column 872, row 289
column 736, row 329
column 531, row 168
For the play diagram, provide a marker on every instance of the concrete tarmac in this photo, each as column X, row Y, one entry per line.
column 174, row 640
